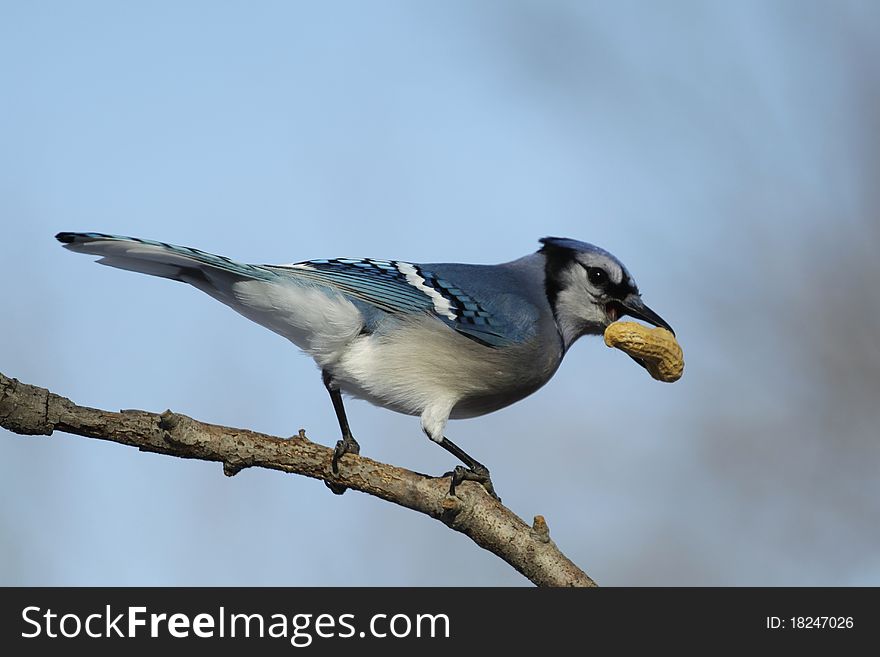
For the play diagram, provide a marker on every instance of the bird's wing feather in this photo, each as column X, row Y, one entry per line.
column 391, row 286
column 401, row 287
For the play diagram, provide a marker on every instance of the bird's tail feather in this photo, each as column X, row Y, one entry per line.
column 180, row 263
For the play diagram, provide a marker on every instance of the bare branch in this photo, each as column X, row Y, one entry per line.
column 27, row 409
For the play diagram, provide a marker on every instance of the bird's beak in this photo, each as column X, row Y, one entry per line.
column 633, row 306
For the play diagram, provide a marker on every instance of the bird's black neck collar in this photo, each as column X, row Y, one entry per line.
column 556, row 260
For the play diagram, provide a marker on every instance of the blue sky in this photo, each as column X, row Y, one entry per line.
column 713, row 147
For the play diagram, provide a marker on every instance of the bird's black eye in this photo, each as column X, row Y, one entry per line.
column 597, row 276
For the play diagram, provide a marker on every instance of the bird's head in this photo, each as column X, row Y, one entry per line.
column 588, row 289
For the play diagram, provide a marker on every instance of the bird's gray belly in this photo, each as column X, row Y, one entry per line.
column 476, row 405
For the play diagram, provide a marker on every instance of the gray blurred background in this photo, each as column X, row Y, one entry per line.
column 728, row 153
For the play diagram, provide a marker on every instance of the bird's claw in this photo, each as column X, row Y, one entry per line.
column 348, row 445
column 480, row 474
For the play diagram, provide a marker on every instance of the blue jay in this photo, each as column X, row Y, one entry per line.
column 439, row 341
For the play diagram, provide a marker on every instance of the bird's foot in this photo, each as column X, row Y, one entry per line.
column 348, row 445
column 479, row 473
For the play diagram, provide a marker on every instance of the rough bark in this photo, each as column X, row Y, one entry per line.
column 30, row 410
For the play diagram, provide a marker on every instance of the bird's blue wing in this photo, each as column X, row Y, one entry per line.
column 401, row 287
column 391, row 286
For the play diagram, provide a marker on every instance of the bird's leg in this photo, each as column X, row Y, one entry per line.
column 348, row 445
column 475, row 471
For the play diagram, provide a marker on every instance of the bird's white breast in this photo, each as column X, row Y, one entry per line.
column 421, row 364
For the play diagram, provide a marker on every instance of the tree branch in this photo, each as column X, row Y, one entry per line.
column 30, row 410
